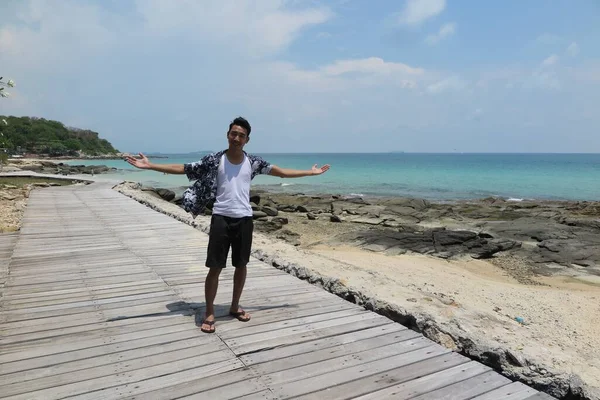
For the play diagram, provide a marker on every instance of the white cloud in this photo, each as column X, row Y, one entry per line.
column 373, row 65
column 342, row 75
column 445, row 31
column 444, row 85
column 416, row 12
column 573, row 49
column 261, row 27
column 553, row 59
column 61, row 33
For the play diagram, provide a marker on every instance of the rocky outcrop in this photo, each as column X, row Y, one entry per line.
column 49, row 167
column 543, row 233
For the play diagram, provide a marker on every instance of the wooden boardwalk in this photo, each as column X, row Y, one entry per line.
column 104, row 295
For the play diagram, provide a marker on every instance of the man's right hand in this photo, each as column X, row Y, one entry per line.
column 141, row 162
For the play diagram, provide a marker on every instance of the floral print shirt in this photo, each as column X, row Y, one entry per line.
column 205, row 172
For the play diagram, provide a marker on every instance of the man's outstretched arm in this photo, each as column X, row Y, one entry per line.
column 144, row 163
column 295, row 173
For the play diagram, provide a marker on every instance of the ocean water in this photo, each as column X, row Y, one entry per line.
column 438, row 177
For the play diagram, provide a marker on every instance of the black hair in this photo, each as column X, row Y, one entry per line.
column 242, row 122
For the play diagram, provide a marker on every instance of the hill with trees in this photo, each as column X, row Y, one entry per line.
column 46, row 137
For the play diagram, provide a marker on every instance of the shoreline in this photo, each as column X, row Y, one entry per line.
column 468, row 305
column 297, row 189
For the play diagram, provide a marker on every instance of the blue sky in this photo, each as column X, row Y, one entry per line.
column 311, row 76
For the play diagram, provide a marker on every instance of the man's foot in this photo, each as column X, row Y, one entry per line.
column 208, row 325
column 240, row 314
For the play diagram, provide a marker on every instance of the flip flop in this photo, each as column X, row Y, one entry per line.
column 240, row 315
column 209, row 323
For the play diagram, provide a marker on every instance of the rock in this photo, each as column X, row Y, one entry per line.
column 493, row 247
column 258, row 214
column 266, row 225
column 255, row 198
column 8, row 196
column 439, row 242
column 417, row 204
column 367, row 220
column 289, row 236
column 254, row 206
column 270, row 211
column 301, row 209
column 515, row 359
column 10, row 187
column 286, row 208
column 447, row 238
column 281, row 220
column 33, row 167
column 166, row 194
column 391, row 223
column 335, row 218
column 311, row 216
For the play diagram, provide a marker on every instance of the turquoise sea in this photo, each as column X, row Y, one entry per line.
column 441, row 177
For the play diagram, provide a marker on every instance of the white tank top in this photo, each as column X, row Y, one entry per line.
column 233, row 189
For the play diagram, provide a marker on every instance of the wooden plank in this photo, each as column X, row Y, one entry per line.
column 219, row 382
column 64, row 307
column 280, row 333
column 300, row 321
column 427, row 383
column 513, row 391
column 89, row 331
column 117, row 385
column 143, row 361
column 396, row 331
column 467, row 389
column 217, row 387
column 272, row 315
column 541, row 396
column 134, row 312
column 60, row 348
column 344, row 356
column 84, row 310
column 86, row 289
column 312, row 386
column 262, row 395
column 304, row 336
column 65, row 299
column 150, row 347
column 234, row 390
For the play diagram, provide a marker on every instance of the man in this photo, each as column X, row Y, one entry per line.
column 224, row 178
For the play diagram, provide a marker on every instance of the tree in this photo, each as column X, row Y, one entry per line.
column 4, row 142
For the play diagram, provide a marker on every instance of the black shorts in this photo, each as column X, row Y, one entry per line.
column 226, row 232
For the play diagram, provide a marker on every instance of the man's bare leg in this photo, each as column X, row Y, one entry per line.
column 211, row 284
column 239, row 279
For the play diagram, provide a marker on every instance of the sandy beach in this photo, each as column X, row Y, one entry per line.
column 544, row 332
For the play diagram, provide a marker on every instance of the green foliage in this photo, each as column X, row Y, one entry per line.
column 41, row 136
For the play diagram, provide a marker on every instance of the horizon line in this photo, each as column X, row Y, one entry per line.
column 380, row 152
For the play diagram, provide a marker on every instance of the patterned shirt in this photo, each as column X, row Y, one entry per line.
column 204, row 172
